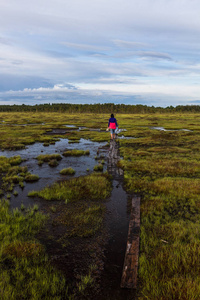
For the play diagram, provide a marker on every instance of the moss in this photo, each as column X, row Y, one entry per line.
column 16, row 160
column 67, row 171
column 76, row 152
column 21, row 249
column 21, row 184
column 25, row 269
column 15, row 193
column 94, row 186
column 53, row 163
column 31, row 178
column 48, row 157
column 85, row 220
column 98, row 167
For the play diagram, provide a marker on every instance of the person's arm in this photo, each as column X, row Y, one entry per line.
column 116, row 123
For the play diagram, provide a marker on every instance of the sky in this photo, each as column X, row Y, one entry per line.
column 99, row 51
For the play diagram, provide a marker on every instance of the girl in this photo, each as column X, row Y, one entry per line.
column 112, row 125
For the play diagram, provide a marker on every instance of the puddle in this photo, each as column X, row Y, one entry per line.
column 70, row 126
column 122, row 137
column 163, row 129
column 47, row 174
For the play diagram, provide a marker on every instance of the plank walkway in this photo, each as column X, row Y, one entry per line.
column 130, row 269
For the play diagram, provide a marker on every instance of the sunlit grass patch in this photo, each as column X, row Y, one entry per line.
column 31, row 178
column 76, row 152
column 159, row 167
column 94, row 186
column 48, row 157
column 13, row 178
column 67, row 171
column 169, row 149
column 73, row 141
column 11, row 173
column 169, row 252
column 15, row 193
column 15, row 160
column 98, row 167
column 95, row 136
column 179, row 187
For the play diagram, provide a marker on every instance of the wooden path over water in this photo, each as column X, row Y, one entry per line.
column 130, row 268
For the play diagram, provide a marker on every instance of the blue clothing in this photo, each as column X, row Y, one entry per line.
column 111, row 121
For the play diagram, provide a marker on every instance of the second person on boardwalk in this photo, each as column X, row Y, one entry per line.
column 112, row 125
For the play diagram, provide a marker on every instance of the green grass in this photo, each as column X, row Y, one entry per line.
column 98, row 168
column 53, row 163
column 31, row 178
column 76, row 152
column 162, row 167
column 15, row 193
column 11, row 173
column 83, row 212
column 67, row 171
column 82, row 220
column 94, row 186
column 48, row 157
column 25, row 270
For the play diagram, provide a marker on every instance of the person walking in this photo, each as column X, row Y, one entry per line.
column 112, row 125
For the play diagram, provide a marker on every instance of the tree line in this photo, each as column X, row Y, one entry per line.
column 98, row 108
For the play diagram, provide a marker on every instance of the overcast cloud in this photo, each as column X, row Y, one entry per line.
column 121, row 51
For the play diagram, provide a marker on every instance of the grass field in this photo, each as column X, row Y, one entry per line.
column 163, row 167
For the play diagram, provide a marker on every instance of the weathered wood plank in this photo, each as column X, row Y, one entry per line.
column 130, row 269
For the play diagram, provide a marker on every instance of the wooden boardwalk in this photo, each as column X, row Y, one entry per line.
column 130, row 269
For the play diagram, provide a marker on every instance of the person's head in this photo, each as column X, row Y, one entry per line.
column 112, row 116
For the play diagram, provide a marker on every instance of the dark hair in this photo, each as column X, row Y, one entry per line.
column 112, row 116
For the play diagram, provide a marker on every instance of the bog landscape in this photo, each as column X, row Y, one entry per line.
column 66, row 201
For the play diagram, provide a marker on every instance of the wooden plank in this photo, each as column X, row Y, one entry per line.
column 130, row 269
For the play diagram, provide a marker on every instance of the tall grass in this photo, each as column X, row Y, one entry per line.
column 164, row 169
column 94, row 186
column 25, row 270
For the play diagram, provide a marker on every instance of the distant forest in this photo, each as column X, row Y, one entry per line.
column 98, row 108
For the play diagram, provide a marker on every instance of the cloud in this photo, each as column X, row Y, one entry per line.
column 130, row 45
column 85, row 47
column 17, row 82
column 154, row 55
column 4, row 41
column 197, row 102
column 111, row 47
